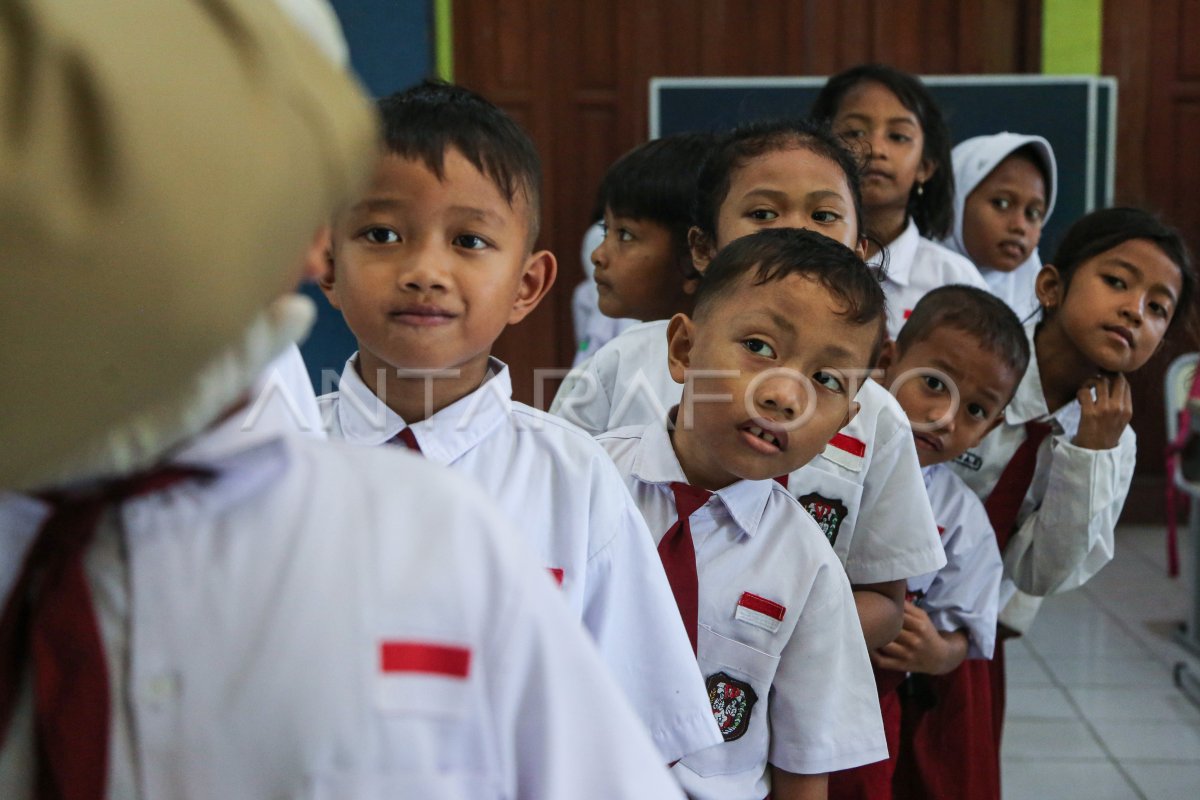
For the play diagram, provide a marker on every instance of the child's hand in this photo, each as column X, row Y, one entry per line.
column 920, row 647
column 1103, row 420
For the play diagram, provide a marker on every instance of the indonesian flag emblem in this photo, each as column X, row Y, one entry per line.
column 732, row 701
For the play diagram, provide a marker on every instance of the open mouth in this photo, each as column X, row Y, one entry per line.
column 764, row 439
column 926, row 442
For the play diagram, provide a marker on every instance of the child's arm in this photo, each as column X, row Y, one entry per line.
column 880, row 611
column 1070, row 537
column 920, row 647
column 793, row 786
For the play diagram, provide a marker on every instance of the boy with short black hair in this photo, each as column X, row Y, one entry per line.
column 783, row 321
column 953, row 368
column 429, row 267
column 644, row 265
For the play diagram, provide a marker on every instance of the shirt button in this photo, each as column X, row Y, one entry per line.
column 160, row 689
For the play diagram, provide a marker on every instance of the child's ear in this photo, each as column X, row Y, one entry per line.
column 926, row 170
column 703, row 249
column 681, row 336
column 1049, row 287
column 889, row 354
column 861, row 248
column 541, row 268
column 328, row 276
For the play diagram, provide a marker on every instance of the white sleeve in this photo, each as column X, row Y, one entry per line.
column 585, row 397
column 632, row 616
column 895, row 536
column 965, row 593
column 1069, row 537
column 824, row 708
column 559, row 717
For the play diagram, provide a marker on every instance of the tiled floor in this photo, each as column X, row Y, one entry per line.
column 1093, row 711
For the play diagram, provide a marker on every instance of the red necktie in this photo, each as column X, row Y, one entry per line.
column 1004, row 502
column 49, row 621
column 678, row 555
column 409, row 439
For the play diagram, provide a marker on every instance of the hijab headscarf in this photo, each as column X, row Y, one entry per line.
column 974, row 159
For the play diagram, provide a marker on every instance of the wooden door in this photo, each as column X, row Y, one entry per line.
column 576, row 73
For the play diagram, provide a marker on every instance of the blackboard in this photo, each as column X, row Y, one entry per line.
column 1075, row 114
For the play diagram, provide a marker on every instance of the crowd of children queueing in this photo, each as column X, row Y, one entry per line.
column 834, row 431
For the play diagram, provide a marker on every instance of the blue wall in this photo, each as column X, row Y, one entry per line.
column 391, row 47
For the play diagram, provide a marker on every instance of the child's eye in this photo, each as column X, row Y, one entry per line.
column 470, row 241
column 826, row 217
column 379, row 235
column 763, row 214
column 759, row 348
column 1001, row 203
column 1160, row 310
column 852, row 133
column 624, row 235
column 1035, row 214
column 828, row 380
column 977, row 411
column 936, row 384
column 902, row 138
column 1114, row 281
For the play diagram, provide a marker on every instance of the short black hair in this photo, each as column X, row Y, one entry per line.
column 1102, row 230
column 933, row 208
column 656, row 181
column 774, row 253
column 731, row 152
column 975, row 312
column 424, row 121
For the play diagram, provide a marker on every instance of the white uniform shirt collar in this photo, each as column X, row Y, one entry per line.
column 655, row 462
column 900, row 255
column 1029, row 403
column 445, row 436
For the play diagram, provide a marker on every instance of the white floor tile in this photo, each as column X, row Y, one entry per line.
column 1165, row 741
column 1146, row 704
column 1094, row 636
column 1039, row 702
column 1040, row 739
column 1064, row 780
column 1025, row 671
column 1165, row 781
column 1078, row 671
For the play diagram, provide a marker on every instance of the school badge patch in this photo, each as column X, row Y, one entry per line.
column 732, row 701
column 970, row 460
column 829, row 514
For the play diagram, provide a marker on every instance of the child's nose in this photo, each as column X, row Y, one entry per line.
column 424, row 270
column 600, row 255
column 783, row 395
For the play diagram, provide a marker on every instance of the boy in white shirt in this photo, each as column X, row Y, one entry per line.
column 429, row 266
column 783, row 319
column 191, row 608
column 954, row 368
column 865, row 488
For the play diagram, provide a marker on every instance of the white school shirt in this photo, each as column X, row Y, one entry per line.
column 1066, row 523
column 575, row 513
column 915, row 265
column 776, row 618
column 270, row 619
column 865, row 490
column 284, row 394
column 964, row 594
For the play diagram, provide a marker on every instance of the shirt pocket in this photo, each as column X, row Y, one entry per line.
column 739, row 679
column 832, row 501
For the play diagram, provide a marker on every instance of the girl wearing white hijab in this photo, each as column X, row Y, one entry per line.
column 1005, row 187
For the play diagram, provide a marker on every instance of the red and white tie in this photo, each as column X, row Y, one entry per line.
column 407, row 438
column 1004, row 503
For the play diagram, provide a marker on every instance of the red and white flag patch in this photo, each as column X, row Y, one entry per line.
column 759, row 612
column 429, row 658
column 556, row 574
column 846, row 451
